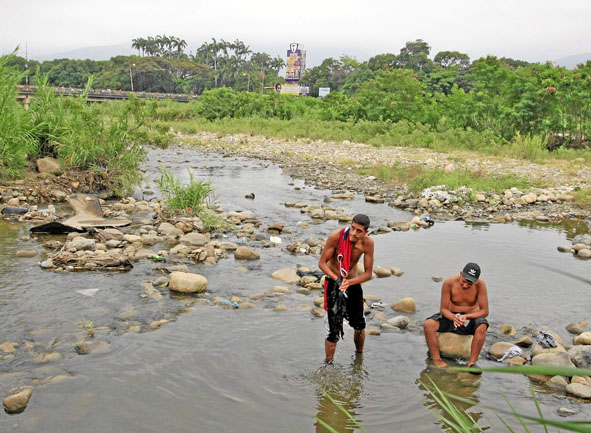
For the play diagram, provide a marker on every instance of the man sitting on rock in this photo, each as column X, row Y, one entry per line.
column 464, row 306
column 343, row 296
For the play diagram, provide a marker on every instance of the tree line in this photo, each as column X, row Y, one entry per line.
column 503, row 96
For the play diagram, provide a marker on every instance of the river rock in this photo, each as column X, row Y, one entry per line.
column 557, row 382
column 405, row 305
column 585, row 253
column 564, row 248
column 565, row 411
column 143, row 253
column 538, row 348
column 8, row 347
column 574, row 328
column 81, row 244
column 184, row 282
column 318, row 312
column 382, row 272
column 524, row 341
column 132, row 239
column 580, row 355
column 194, row 239
column 399, row 321
column 584, row 338
column 372, row 331
column 280, row 308
column 397, row 272
column 579, row 390
column 48, row 165
column 287, row 275
column 245, row 253
column 516, row 360
column 499, row 349
column 453, row 345
column 47, row 357
column 18, row 402
column 560, row 359
column 26, row 253
column 508, row 330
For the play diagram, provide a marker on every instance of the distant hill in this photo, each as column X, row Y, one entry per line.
column 92, row 53
column 571, row 62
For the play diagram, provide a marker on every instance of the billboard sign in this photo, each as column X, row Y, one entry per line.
column 290, row 89
column 296, row 63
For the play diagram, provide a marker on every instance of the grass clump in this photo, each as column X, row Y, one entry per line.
column 194, row 198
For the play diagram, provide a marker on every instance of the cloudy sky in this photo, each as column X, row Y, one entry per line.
column 532, row 30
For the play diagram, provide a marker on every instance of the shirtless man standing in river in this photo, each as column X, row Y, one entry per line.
column 463, row 299
column 353, row 242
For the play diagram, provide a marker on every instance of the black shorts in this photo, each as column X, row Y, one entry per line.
column 446, row 325
column 354, row 315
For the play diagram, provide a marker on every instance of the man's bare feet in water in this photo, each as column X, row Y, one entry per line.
column 439, row 363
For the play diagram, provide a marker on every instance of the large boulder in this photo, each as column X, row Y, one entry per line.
column 579, row 390
column 454, row 345
column 245, row 253
column 538, row 348
column 185, row 282
column 287, row 275
column 405, row 305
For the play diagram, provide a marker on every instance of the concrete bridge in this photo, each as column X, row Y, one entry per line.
column 99, row 95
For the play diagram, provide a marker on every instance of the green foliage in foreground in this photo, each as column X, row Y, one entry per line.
column 16, row 137
column 457, row 420
column 193, row 198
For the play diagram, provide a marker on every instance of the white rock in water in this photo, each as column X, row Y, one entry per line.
column 87, row 292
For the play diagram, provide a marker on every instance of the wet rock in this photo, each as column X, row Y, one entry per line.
column 87, row 347
column 585, row 253
column 143, row 253
column 47, row 357
column 499, row 349
column 453, row 345
column 247, row 305
column 158, row 323
column 580, row 355
column 560, row 359
column 516, row 360
column 557, row 382
column 280, row 308
column 397, row 272
column 574, row 328
column 150, row 291
column 537, row 349
column 564, row 411
column 564, row 248
column 17, row 402
column 8, row 347
column 382, row 272
column 287, row 275
column 317, row 312
column 579, row 390
column 26, row 253
column 508, row 330
column 405, row 305
column 194, row 239
column 399, row 321
column 583, row 338
column 184, row 282
column 372, row 331
column 160, row 281
column 246, row 253
column 437, row 278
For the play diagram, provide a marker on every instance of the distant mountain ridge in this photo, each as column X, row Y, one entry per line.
column 571, row 62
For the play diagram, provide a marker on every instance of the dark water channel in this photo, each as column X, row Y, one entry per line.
column 218, row 370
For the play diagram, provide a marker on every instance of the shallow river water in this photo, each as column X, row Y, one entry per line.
column 217, row 370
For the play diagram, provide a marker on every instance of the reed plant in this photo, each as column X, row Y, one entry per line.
column 16, row 136
column 456, row 420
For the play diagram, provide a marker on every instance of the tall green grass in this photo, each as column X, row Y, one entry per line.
column 16, row 135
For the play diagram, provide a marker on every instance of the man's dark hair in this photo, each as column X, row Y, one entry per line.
column 362, row 220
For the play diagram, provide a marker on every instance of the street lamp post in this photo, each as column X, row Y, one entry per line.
column 131, row 76
column 248, row 81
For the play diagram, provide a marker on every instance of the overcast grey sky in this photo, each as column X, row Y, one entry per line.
column 532, row 30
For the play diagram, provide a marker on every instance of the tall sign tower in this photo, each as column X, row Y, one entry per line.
column 296, row 63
